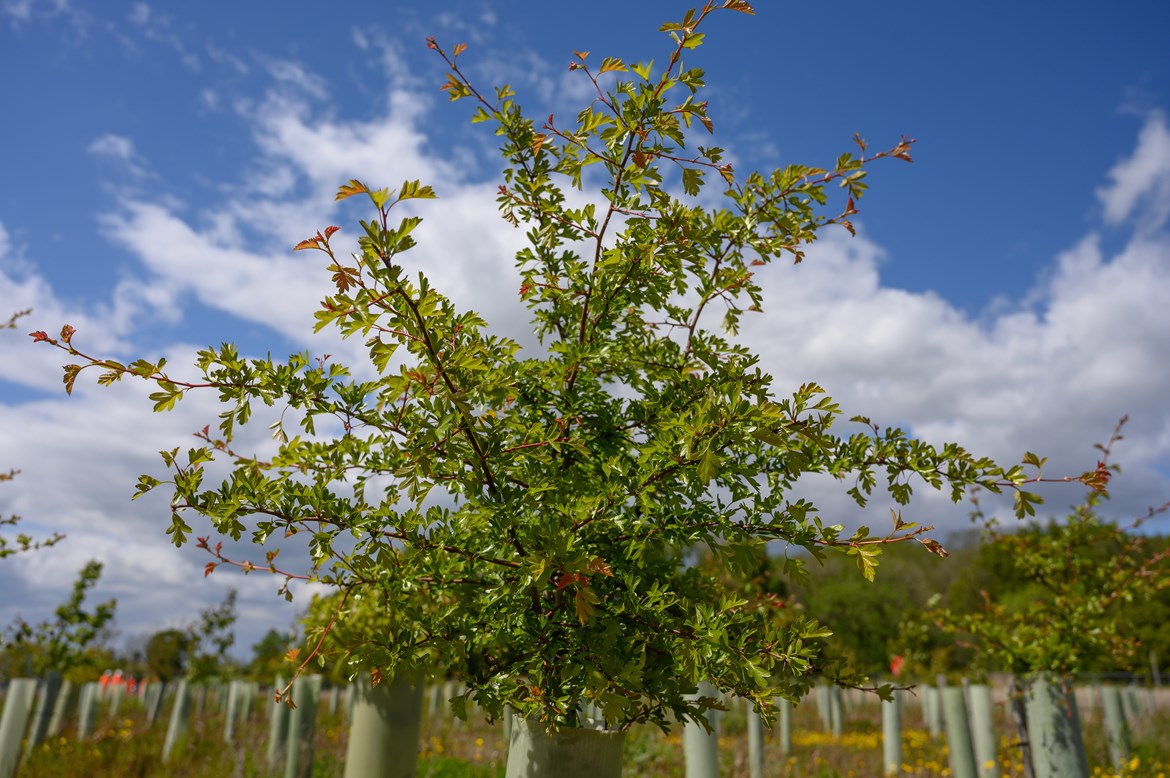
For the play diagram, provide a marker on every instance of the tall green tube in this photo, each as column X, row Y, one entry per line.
column 983, row 731
column 785, row 718
column 384, row 728
column 932, row 709
column 116, row 693
column 233, row 711
column 47, row 693
column 700, row 748
column 302, row 727
column 63, row 710
column 1054, row 732
column 836, row 711
column 960, row 752
column 91, row 695
column 1116, row 727
column 277, row 729
column 570, row 752
column 892, row 735
column 180, row 717
column 824, row 706
column 755, row 727
column 17, row 707
column 154, row 701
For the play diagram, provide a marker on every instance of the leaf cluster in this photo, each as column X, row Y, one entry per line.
column 1063, row 595
column 526, row 519
column 61, row 643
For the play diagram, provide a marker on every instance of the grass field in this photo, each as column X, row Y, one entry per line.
column 452, row 749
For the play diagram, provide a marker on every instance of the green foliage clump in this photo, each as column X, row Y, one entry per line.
column 534, row 515
column 62, row 644
column 1065, row 597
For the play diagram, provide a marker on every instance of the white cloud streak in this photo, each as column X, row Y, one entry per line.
column 1140, row 185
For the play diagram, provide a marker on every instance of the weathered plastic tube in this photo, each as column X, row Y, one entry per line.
column 17, row 707
column 384, row 728
column 570, row 752
column 892, row 735
column 700, row 748
column 1054, row 732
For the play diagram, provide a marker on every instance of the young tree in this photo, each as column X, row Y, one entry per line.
column 1065, row 612
column 545, row 501
column 61, row 644
column 167, row 653
column 1062, row 610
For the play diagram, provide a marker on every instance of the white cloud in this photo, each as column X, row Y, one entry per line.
column 291, row 73
column 107, row 326
column 120, row 150
column 26, row 10
column 1052, row 377
column 1142, row 180
column 159, row 28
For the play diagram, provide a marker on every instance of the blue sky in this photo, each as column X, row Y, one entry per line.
column 159, row 160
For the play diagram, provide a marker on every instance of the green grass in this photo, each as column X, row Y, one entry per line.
column 448, row 749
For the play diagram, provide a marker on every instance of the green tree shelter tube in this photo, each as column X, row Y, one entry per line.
column 755, row 742
column 47, row 693
column 700, row 747
column 961, row 753
column 785, row 719
column 277, row 729
column 384, row 728
column 892, row 735
column 1116, row 729
column 88, row 709
column 180, row 716
column 155, row 695
column 1054, row 731
column 302, row 727
column 17, row 706
column 983, row 731
column 64, row 709
column 569, row 752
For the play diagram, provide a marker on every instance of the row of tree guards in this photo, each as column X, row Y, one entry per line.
column 385, row 723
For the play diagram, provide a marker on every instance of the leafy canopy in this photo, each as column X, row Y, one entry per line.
column 532, row 514
column 61, row 644
column 1064, row 596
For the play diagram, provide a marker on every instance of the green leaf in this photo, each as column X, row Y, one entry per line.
column 692, row 180
column 708, row 466
column 610, row 64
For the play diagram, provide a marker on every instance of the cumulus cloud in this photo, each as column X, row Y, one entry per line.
column 1140, row 184
column 1051, row 376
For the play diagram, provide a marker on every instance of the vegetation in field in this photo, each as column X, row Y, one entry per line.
column 473, row 749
